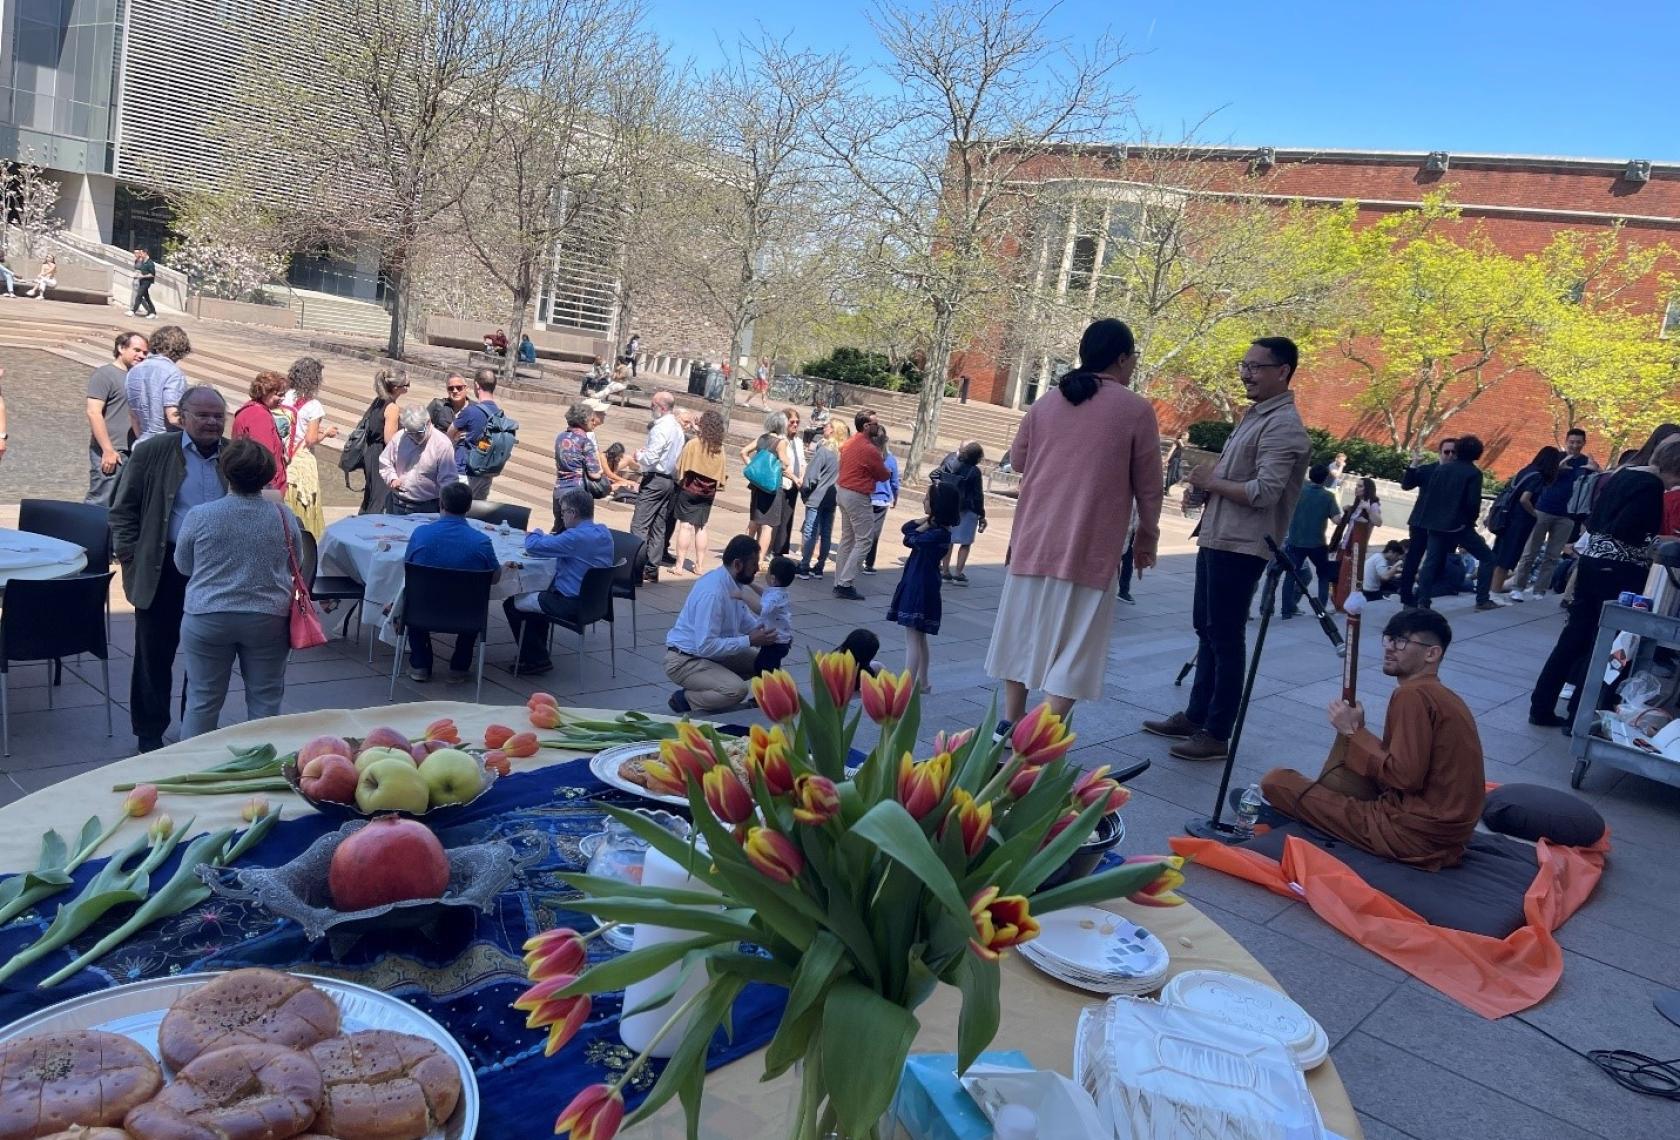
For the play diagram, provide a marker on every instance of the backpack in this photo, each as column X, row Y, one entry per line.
column 1499, row 514
column 353, row 456
column 495, row 446
column 1583, row 493
column 764, row 471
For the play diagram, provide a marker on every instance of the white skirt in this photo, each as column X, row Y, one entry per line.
column 1052, row 636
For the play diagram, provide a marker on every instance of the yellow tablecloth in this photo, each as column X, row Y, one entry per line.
column 1038, row 1013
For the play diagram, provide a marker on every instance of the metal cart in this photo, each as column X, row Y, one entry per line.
column 1653, row 630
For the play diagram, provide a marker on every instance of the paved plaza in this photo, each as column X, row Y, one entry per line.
column 1415, row 1064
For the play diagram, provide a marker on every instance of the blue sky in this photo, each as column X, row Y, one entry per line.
column 1492, row 76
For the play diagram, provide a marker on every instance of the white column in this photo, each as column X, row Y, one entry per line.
column 87, row 203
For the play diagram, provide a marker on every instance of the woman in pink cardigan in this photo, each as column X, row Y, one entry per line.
column 1088, row 453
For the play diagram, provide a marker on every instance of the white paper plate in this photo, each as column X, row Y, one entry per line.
column 1099, row 943
column 1243, row 1001
column 1315, row 1054
column 604, row 766
column 136, row 1010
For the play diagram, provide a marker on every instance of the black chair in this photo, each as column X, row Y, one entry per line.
column 85, row 524
column 630, row 550
column 519, row 518
column 331, row 587
column 49, row 621
column 445, row 601
column 595, row 604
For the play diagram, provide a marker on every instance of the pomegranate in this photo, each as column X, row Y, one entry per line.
column 389, row 860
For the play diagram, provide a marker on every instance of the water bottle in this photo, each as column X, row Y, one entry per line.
column 504, row 529
column 1248, row 808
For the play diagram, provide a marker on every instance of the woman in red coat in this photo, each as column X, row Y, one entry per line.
column 262, row 418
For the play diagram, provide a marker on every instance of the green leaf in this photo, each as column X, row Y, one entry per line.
column 691, row 1053
column 750, row 967
column 1058, row 851
column 669, row 988
column 978, row 1024
column 817, row 967
column 253, row 835
column 1046, row 800
column 725, row 924
column 1112, row 884
column 865, row 1039
column 600, row 885
column 791, row 1042
column 617, row 973
column 899, row 837
column 679, row 851
column 91, row 831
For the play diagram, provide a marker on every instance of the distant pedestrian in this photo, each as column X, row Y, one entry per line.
column 256, row 420
column 416, row 466
column 1453, row 508
column 961, row 469
column 884, row 499
column 1353, row 536
column 1553, row 525
column 380, row 424
column 656, row 497
column 1305, row 542
column 156, row 383
column 108, row 421
column 818, row 489
column 962, row 389
column 1337, row 466
column 915, row 603
column 862, row 466
column 303, row 473
column 701, row 472
column 632, row 349
column 145, row 272
column 45, row 278
column 767, row 506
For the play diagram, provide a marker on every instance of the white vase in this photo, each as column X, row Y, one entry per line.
column 637, row 1030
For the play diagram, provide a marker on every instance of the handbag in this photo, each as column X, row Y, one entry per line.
column 764, row 472
column 305, row 631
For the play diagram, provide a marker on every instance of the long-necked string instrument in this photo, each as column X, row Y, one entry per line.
column 1337, row 776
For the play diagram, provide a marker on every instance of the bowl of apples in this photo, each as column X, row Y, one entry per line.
column 384, row 773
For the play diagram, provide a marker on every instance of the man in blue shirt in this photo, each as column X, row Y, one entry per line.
column 1305, row 542
column 468, row 429
column 1553, row 525
column 884, row 498
column 584, row 545
column 451, row 543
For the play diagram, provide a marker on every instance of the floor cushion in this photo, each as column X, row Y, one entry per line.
column 1535, row 812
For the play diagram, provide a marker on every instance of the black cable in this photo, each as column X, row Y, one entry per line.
column 1634, row 1071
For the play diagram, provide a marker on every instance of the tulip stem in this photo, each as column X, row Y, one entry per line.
column 642, row 1057
column 86, row 853
column 1001, row 780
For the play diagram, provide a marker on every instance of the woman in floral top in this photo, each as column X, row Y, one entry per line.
column 575, row 458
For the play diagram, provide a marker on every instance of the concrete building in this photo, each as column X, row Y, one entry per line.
column 1086, row 201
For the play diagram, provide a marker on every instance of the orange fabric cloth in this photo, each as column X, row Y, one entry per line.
column 861, row 465
column 1492, row 976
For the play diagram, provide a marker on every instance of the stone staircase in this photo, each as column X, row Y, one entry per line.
column 328, row 312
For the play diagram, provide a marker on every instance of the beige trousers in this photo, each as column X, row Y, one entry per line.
column 857, row 527
column 709, row 684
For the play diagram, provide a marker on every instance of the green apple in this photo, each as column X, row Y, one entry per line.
column 392, row 784
column 370, row 755
column 452, row 776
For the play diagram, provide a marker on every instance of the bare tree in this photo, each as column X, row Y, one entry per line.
column 30, row 198
column 388, row 134
column 565, row 141
column 984, row 95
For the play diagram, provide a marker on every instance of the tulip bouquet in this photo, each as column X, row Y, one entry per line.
column 859, row 891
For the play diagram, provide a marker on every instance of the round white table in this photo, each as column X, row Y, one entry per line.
column 24, row 554
column 371, row 549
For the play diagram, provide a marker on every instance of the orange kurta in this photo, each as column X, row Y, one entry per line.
column 1428, row 769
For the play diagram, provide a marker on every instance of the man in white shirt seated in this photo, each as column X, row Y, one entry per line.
column 1382, row 572
column 657, row 496
column 711, row 650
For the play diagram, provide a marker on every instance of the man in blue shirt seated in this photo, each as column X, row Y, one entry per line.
column 451, row 543
column 584, row 545
column 712, row 649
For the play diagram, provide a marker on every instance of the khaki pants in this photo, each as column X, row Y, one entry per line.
column 1540, row 553
column 709, row 684
column 857, row 526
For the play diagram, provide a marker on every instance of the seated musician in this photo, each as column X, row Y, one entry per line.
column 1414, row 796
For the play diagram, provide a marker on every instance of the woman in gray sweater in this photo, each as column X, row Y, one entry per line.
column 239, row 591
column 818, row 490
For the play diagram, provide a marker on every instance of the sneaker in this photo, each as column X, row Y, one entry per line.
column 805, row 573
column 1002, row 731
column 959, row 579
column 1547, row 720
column 144, row 743
column 850, row 593
column 1566, row 693
column 1517, row 596
column 1287, row 614
column 1490, row 604
column 1201, row 746
column 1175, row 727
column 458, row 676
column 126, row 312
column 869, row 569
column 1125, row 597
column 421, row 675
column 944, row 575
column 678, row 702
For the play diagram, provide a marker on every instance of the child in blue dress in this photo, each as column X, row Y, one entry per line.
column 915, row 603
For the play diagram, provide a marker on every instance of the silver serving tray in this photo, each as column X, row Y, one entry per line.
column 604, row 767
column 136, row 1010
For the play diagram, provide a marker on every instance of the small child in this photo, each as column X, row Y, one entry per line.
column 774, row 611
column 863, row 646
column 915, row 603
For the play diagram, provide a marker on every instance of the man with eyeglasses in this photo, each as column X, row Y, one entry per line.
column 455, row 400
column 1416, row 477
column 1415, row 795
column 1251, row 493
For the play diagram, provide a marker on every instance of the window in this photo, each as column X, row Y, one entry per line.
column 1082, row 264
column 1671, row 318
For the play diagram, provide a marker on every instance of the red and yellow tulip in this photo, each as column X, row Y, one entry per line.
column 594, row 1114
column 1021, row 782
column 767, row 754
column 838, row 673
column 951, row 742
column 140, row 801
column 687, row 756
column 563, row 1016
column 443, row 730
column 1063, row 822
column 521, row 745
column 729, row 799
column 974, row 819
column 497, row 761
column 1041, row 737
column 921, row 786
column 777, row 695
column 1096, row 785
column 773, row 853
column 1000, row 921
column 536, row 699
column 545, row 716
column 555, row 952
column 496, row 735
column 1164, row 890
column 886, row 696
column 815, row 800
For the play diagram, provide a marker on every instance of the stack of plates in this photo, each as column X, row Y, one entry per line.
column 1252, row 1005
column 1098, row 950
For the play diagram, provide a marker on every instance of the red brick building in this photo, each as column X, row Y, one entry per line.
column 1520, row 202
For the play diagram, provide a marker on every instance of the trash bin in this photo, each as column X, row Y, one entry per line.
column 697, row 378
column 714, row 384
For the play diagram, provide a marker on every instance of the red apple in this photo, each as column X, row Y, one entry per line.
column 385, row 738
column 323, row 746
column 389, row 860
column 330, row 777
column 424, row 748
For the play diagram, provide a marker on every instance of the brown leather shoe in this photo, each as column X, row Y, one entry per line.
column 1175, row 727
column 1201, row 746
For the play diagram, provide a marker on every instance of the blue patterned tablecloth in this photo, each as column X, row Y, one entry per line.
column 466, row 972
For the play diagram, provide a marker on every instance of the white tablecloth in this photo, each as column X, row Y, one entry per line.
column 24, row 554
column 371, row 548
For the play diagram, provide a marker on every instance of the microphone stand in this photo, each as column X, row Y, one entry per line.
column 1214, row 826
